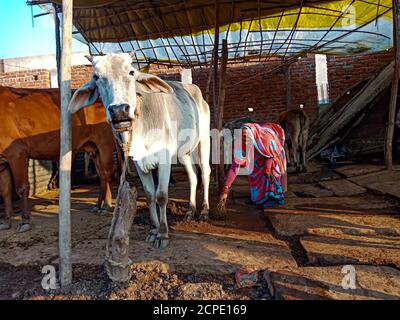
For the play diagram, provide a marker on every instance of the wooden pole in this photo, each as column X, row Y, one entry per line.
column 117, row 247
column 209, row 78
column 221, row 103
column 222, row 84
column 58, row 45
column 215, row 76
column 395, row 86
column 215, row 62
column 65, row 149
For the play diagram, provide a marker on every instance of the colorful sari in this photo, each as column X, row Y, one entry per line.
column 262, row 152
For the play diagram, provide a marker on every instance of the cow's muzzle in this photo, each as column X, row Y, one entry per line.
column 120, row 118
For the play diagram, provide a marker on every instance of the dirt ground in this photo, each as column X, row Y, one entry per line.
column 333, row 217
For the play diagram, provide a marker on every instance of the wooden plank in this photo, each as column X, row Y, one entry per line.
column 395, row 86
column 65, row 149
column 346, row 115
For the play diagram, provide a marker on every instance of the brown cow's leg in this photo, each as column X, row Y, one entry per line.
column 295, row 146
column 107, row 165
column 19, row 166
column 104, row 161
column 6, row 192
column 102, row 187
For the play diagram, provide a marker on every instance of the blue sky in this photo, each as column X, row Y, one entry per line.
column 19, row 38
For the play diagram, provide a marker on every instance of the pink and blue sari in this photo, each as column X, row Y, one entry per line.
column 262, row 152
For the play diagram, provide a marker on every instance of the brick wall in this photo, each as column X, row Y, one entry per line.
column 80, row 75
column 344, row 72
column 252, row 85
column 258, row 86
column 39, row 78
column 265, row 91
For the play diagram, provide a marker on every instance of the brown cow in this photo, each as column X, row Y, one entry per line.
column 30, row 128
column 296, row 125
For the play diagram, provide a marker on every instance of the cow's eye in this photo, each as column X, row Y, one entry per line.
column 132, row 73
column 95, row 77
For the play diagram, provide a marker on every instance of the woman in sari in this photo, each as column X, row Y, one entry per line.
column 262, row 152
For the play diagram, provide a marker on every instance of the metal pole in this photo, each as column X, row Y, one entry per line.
column 64, row 217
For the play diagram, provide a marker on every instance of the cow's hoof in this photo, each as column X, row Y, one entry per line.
column 106, row 210
column 5, row 226
column 189, row 216
column 95, row 209
column 204, row 215
column 151, row 237
column 23, row 227
column 161, row 242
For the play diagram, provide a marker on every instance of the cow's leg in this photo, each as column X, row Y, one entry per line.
column 6, row 190
column 106, row 159
column 296, row 156
column 295, row 147
column 19, row 169
column 303, row 143
column 191, row 171
column 149, row 189
column 100, row 198
column 164, row 171
column 204, row 149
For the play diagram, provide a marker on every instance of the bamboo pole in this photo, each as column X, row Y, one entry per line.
column 65, row 149
column 395, row 86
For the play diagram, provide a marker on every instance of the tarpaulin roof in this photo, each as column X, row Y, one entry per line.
column 176, row 31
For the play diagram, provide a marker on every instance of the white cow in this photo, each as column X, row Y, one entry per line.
column 166, row 120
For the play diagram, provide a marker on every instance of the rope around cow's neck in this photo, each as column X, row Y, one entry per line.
column 125, row 149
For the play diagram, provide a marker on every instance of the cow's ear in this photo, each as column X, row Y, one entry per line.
column 84, row 96
column 151, row 84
